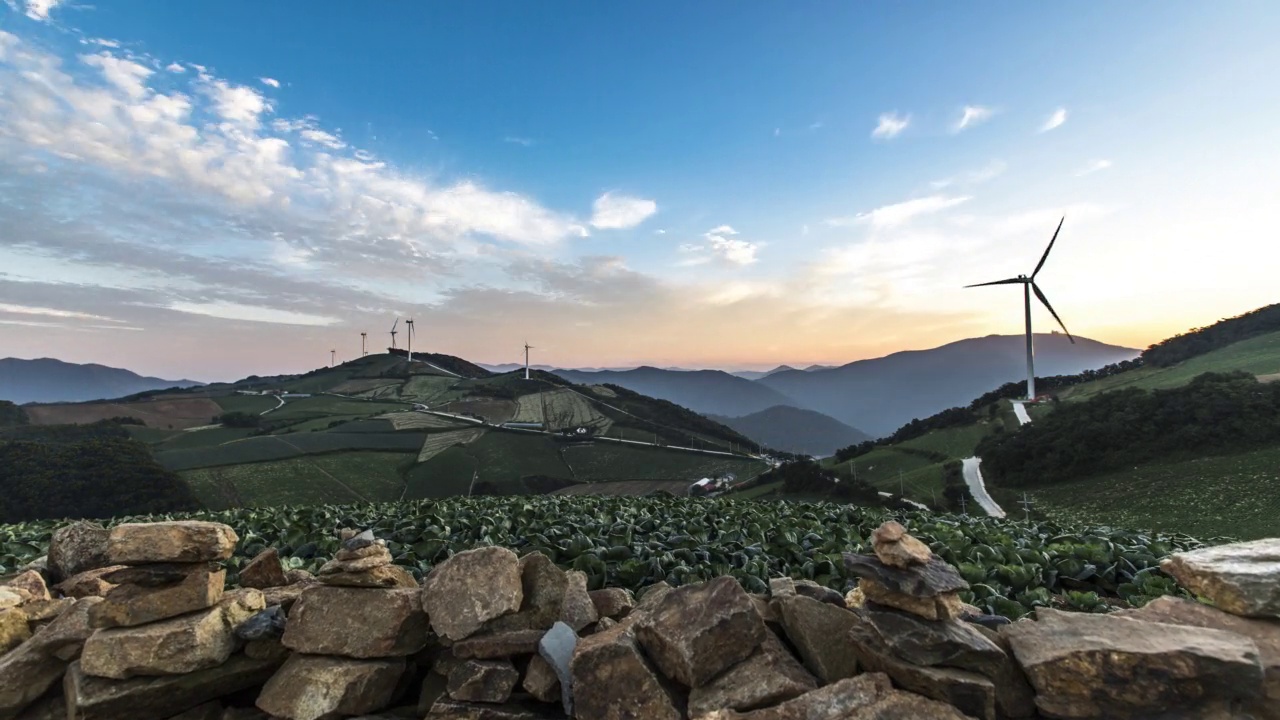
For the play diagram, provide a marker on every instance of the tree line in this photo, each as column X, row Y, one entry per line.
column 1218, row 335
column 1216, row 413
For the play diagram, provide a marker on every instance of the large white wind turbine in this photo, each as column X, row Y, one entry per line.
column 1028, row 287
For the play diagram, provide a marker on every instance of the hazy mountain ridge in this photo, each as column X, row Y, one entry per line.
column 704, row 391
column 51, row 380
column 792, row 429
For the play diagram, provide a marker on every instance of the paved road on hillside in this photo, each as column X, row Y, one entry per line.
column 1020, row 411
column 973, row 478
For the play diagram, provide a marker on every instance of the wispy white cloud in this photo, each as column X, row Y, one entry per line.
column 724, row 245
column 103, row 42
column 972, row 115
column 50, row 312
column 1093, row 167
column 175, row 68
column 251, row 313
column 613, row 212
column 901, row 213
column 816, row 125
column 40, row 9
column 890, row 125
column 1055, row 120
column 518, row 140
column 320, row 137
column 269, row 81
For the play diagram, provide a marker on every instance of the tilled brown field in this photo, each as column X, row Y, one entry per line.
column 165, row 414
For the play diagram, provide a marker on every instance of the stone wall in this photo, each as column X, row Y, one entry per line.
column 135, row 624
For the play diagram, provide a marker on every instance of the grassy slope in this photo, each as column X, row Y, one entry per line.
column 302, row 480
column 1234, row 495
column 448, row 473
column 604, row 461
column 252, row 404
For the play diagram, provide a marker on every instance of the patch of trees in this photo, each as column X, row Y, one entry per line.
column 237, row 419
column 12, row 414
column 1217, row 413
column 955, row 491
column 664, row 416
column 806, row 477
column 84, row 471
column 1220, row 334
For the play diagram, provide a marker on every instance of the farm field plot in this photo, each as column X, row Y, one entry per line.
column 920, row 476
column 298, row 481
column 1245, row 492
column 437, row 443
column 204, row 438
column 277, row 447
column 626, row 487
column 426, row 388
column 418, row 421
column 173, row 414
column 957, row 442
column 370, row 425
column 151, row 436
column 606, row 461
column 252, row 404
column 329, row 406
column 357, row 386
column 560, row 408
column 447, row 474
column 494, row 411
column 1259, row 356
column 505, row 457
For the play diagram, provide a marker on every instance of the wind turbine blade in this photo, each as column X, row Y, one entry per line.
column 1010, row 281
column 1045, row 300
column 394, row 324
column 1046, row 250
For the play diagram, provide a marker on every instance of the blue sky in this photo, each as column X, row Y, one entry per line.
column 214, row 189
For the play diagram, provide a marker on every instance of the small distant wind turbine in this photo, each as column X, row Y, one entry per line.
column 393, row 333
column 410, row 347
column 527, row 348
column 1028, row 287
column 332, row 357
column 363, row 352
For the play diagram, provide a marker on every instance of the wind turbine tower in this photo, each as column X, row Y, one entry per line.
column 527, row 348
column 332, row 357
column 1028, row 287
column 393, row 333
column 410, row 345
column 363, row 351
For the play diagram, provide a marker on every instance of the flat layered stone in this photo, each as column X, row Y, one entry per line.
column 386, row 576
column 284, row 596
column 651, row 595
column 781, row 587
column 809, row 588
column 612, row 680
column 77, row 548
column 770, row 676
column 137, row 601
column 896, row 548
column 540, row 680
column 45, row 610
column 13, row 628
column 28, row 671
column 577, row 610
column 89, row 583
column 613, row 603
column 698, row 631
column 32, row 582
column 94, row 698
column 373, row 550
column 263, row 571
column 447, row 708
column 314, row 687
column 933, row 578
column 866, row 697
column 380, row 557
column 489, row 681
column 184, row 644
column 471, row 588
column 818, row 630
column 1264, row 633
column 945, row 606
column 12, row 597
column 1086, row 665
column 498, row 645
column 1240, row 578
column 357, row 622
column 181, row 541
column 543, row 588
column 558, row 647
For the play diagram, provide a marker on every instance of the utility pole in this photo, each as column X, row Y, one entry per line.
column 1026, row 505
column 963, row 509
column 901, row 492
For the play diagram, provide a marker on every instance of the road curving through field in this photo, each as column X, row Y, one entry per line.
column 973, row 478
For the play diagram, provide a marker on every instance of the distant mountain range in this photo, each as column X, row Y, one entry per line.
column 704, row 391
column 881, row 395
column 807, row 432
column 50, row 380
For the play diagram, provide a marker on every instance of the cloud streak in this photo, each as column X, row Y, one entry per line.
column 1093, row 167
column 611, row 211
column 972, row 115
column 890, row 125
column 1055, row 120
column 898, row 214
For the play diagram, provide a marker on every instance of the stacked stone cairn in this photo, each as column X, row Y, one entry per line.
column 137, row 626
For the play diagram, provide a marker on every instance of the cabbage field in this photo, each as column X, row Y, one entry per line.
column 632, row 542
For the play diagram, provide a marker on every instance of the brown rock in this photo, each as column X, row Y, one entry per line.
column 387, row 576
column 444, row 662
column 209, row 711
column 896, row 548
column 540, row 680
column 284, row 596
column 577, row 610
column 489, row 681
column 183, row 644
column 1264, row 633
column 45, row 610
column 605, row 623
column 199, row 587
column 35, row 666
column 32, row 582
column 933, row 578
column 312, row 687
column 498, row 645
column 866, row 697
column 1240, row 578
column 12, row 597
column 651, row 595
column 64, row 637
column 817, row 631
column 768, row 611
column 13, row 629
column 447, row 708
column 781, row 587
column 49, row 707
column 266, row 649
column 298, row 575
column 471, row 588
column 375, row 550
column 543, row 588
column 613, row 603
column 946, row 606
column 93, row 698
column 1084, row 665
column 356, row 622
column 89, row 583
column 698, row 631
column 380, row 557
column 770, row 676
column 264, row 571
column 76, row 548
column 612, row 680
column 183, row 541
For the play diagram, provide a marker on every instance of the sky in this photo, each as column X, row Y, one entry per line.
column 209, row 190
